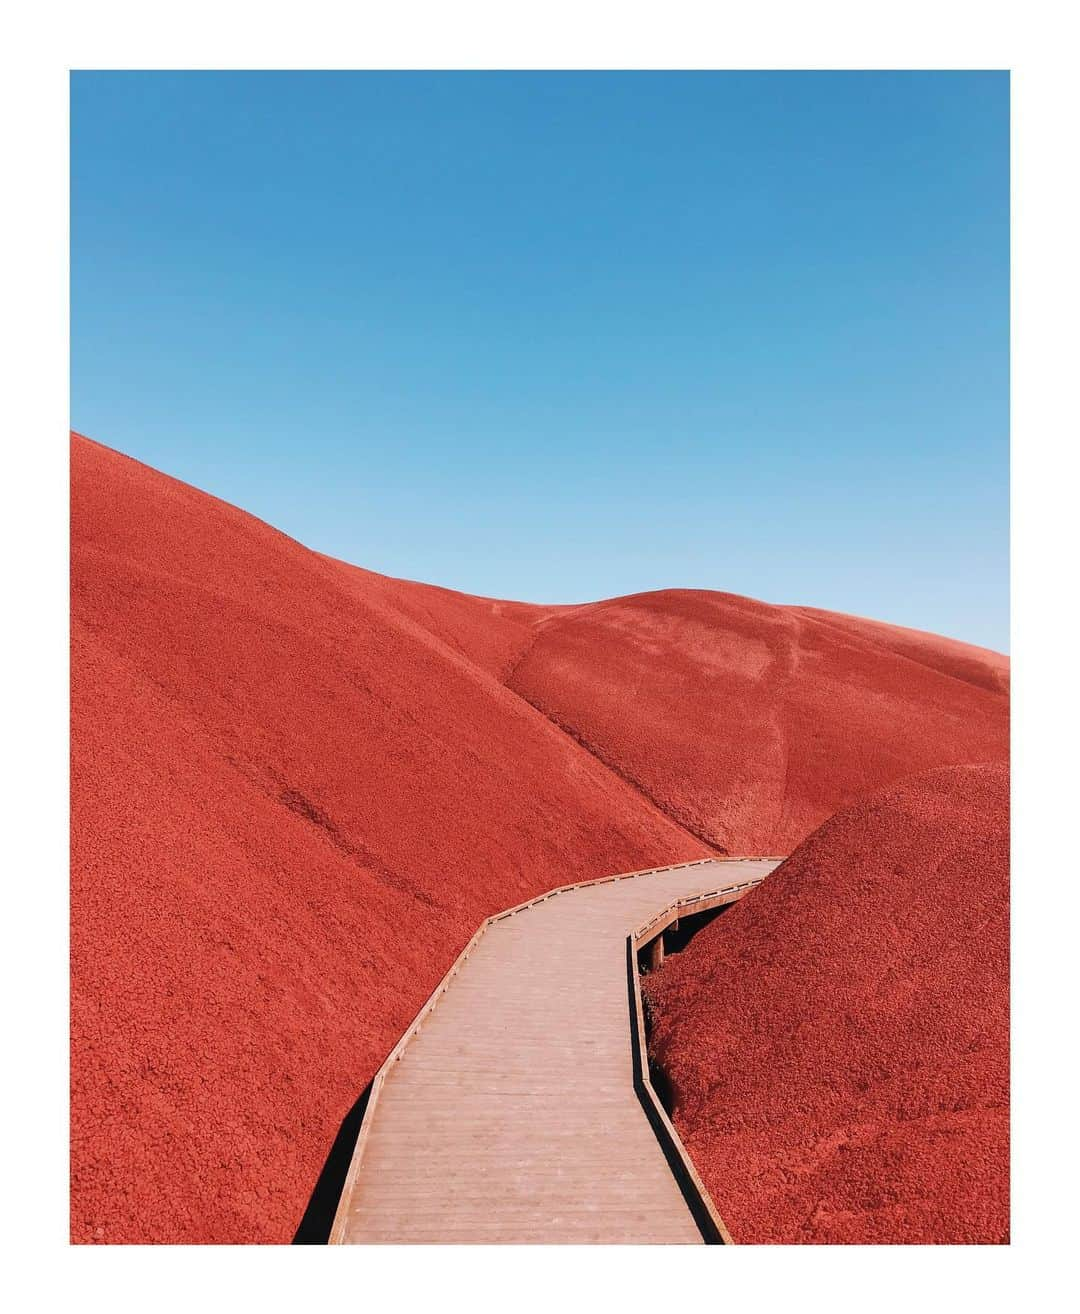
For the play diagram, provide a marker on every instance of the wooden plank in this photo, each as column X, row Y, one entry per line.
column 508, row 1110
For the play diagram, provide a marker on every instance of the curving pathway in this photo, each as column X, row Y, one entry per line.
column 512, row 1110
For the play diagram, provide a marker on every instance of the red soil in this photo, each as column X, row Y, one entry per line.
column 751, row 724
column 297, row 787
column 292, row 804
column 838, row 1041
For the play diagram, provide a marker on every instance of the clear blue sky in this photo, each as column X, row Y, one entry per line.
column 562, row 336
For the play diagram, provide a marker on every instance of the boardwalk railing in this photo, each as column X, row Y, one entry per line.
column 697, row 1198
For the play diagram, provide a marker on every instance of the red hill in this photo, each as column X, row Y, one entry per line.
column 750, row 724
column 298, row 786
column 294, row 798
column 838, row 1042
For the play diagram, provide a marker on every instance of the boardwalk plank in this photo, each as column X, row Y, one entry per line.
column 510, row 1116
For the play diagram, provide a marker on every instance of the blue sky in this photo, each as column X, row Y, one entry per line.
column 563, row 336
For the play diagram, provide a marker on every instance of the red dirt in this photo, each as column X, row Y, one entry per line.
column 837, row 1042
column 292, row 805
column 297, row 787
column 751, row 724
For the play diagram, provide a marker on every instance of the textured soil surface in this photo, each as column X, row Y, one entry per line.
column 297, row 787
column 750, row 724
column 837, row 1042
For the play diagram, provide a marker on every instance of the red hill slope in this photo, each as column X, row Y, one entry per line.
column 838, row 1042
column 292, row 804
column 298, row 786
column 751, row 724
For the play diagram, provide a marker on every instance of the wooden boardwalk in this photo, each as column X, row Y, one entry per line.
column 508, row 1112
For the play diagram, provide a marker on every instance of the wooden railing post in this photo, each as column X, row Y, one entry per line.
column 656, row 953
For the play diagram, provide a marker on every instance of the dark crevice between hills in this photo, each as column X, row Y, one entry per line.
column 303, row 807
column 314, row 1229
column 624, row 776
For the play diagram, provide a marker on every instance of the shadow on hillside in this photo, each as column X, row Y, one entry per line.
column 314, row 1229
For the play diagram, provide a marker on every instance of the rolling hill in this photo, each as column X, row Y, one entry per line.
column 297, row 786
column 838, row 1042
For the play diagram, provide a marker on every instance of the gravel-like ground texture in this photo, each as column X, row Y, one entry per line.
column 297, row 788
column 838, row 1042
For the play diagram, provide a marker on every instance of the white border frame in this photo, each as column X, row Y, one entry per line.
column 43, row 43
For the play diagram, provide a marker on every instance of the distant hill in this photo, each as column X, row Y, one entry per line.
column 750, row 724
